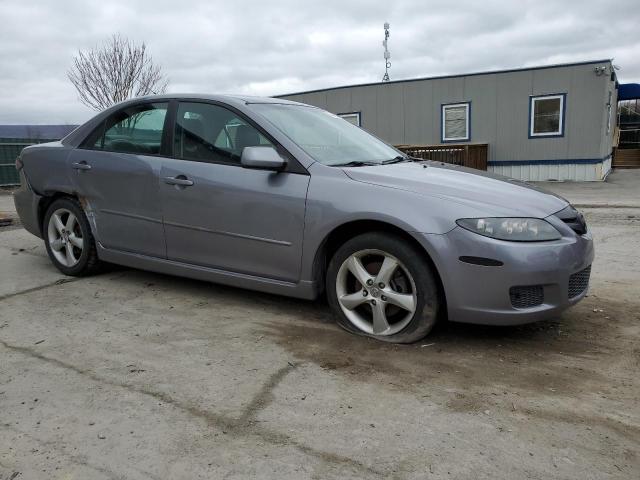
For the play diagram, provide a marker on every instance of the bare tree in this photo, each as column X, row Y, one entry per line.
column 115, row 71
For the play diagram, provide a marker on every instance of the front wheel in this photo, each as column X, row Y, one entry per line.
column 379, row 285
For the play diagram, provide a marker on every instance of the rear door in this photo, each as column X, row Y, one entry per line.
column 218, row 214
column 116, row 171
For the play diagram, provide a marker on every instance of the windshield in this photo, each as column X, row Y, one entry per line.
column 326, row 137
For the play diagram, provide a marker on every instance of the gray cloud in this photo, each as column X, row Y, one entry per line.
column 269, row 48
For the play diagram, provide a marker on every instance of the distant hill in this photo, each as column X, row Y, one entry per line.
column 48, row 132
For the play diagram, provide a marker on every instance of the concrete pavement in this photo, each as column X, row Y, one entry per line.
column 134, row 375
column 7, row 208
column 621, row 189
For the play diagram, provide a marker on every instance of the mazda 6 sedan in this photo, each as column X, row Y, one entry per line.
column 289, row 199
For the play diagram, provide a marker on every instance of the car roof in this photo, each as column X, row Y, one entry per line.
column 75, row 137
column 225, row 98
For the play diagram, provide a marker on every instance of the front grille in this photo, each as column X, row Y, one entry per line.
column 526, row 297
column 573, row 219
column 579, row 281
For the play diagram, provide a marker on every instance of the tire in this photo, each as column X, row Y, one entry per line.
column 70, row 243
column 397, row 271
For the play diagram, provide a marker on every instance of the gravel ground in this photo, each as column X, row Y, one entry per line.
column 134, row 375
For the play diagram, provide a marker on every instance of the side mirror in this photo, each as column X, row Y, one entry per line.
column 262, row 158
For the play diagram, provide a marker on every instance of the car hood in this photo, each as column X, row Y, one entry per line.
column 483, row 192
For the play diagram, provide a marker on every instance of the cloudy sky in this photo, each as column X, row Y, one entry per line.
column 274, row 47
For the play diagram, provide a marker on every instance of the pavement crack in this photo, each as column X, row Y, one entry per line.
column 265, row 396
column 41, row 287
column 242, row 426
column 604, row 206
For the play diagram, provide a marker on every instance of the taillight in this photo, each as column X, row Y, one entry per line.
column 19, row 163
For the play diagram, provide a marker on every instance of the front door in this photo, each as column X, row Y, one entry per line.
column 116, row 172
column 218, row 214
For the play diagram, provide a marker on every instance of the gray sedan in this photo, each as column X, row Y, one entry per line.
column 289, row 199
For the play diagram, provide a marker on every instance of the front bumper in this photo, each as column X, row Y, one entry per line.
column 27, row 203
column 480, row 294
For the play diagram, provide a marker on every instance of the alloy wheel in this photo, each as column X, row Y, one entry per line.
column 376, row 292
column 65, row 237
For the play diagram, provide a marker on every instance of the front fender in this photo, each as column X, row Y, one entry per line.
column 334, row 200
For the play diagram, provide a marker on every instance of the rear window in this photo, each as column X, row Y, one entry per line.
column 136, row 129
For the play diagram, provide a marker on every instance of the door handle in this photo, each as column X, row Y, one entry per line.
column 81, row 166
column 179, row 180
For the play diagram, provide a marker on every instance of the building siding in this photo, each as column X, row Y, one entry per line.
column 409, row 112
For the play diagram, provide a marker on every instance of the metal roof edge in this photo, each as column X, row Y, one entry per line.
column 440, row 77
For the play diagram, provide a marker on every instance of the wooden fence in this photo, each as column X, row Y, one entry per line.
column 473, row 155
column 626, row 158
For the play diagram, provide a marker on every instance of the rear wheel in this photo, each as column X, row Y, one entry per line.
column 380, row 286
column 68, row 238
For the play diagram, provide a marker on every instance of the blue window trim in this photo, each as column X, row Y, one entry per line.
column 563, row 116
column 359, row 114
column 456, row 140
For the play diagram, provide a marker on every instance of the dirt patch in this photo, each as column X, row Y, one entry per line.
column 563, row 357
column 577, row 371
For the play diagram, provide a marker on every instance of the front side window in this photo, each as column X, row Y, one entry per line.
column 455, row 122
column 326, row 137
column 547, row 116
column 211, row 133
column 135, row 129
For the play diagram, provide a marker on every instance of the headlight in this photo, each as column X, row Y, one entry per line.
column 513, row 229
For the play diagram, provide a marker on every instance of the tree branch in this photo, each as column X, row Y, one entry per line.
column 115, row 71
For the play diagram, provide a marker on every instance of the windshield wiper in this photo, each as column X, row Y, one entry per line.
column 398, row 159
column 360, row 163
column 355, row 163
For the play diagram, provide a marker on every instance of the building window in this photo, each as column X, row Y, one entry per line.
column 353, row 117
column 455, row 122
column 546, row 115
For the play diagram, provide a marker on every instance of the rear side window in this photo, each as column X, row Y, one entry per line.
column 211, row 133
column 135, row 129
